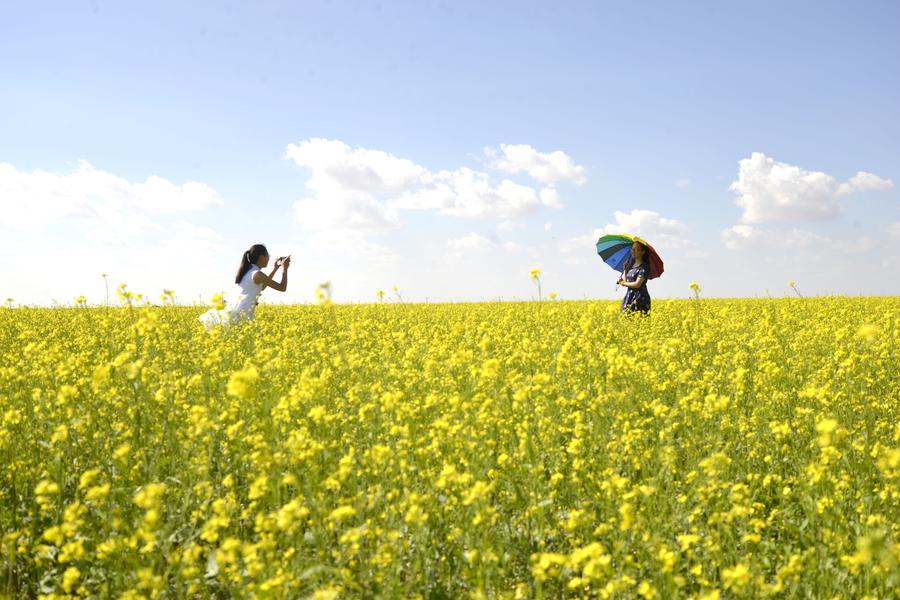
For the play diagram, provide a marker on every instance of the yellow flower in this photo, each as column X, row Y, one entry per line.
column 42, row 492
column 291, row 515
column 122, row 451
column 826, row 428
column 87, row 478
column 546, row 564
column 323, row 293
column 327, row 593
column 70, row 579
column 645, row 590
column 54, row 535
column 218, row 301
column 415, row 515
column 243, row 383
column 478, row 491
column 150, row 496
column 687, row 541
column 736, row 578
column 317, row 413
column 342, row 513
column 60, row 434
column 46, row 488
column 867, row 333
column 259, row 487
column 666, row 559
column 626, row 516
column 74, row 550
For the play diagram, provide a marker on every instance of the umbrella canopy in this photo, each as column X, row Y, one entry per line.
column 615, row 250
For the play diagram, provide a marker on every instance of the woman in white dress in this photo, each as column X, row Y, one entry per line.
column 252, row 282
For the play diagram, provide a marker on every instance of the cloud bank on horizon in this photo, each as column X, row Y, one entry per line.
column 360, row 197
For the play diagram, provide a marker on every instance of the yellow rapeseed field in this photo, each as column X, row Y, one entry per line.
column 718, row 449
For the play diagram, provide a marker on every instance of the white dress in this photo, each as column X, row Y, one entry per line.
column 243, row 308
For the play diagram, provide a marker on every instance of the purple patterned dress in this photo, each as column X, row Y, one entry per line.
column 636, row 299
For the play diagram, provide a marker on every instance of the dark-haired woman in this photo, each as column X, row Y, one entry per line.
column 634, row 277
column 252, row 282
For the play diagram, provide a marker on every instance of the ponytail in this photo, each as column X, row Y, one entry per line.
column 249, row 259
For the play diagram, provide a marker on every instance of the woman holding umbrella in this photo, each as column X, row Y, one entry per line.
column 634, row 277
column 638, row 262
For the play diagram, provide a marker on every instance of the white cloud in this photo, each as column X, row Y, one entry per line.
column 350, row 245
column 363, row 189
column 543, row 167
column 191, row 239
column 87, row 221
column 769, row 190
column 682, row 182
column 864, row 182
column 344, row 209
column 548, row 226
column 658, row 230
column 343, row 183
column 740, row 235
column 894, row 229
column 161, row 196
column 336, row 165
column 471, row 241
column 579, row 246
column 550, row 197
column 509, row 225
column 661, row 232
column 475, row 243
column 747, row 236
column 91, row 195
column 470, row 194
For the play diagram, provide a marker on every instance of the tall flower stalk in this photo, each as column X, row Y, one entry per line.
column 536, row 278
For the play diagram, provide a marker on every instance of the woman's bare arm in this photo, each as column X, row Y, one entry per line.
column 275, row 268
column 261, row 278
column 266, row 280
column 634, row 284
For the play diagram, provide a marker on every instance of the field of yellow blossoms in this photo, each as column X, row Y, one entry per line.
column 719, row 449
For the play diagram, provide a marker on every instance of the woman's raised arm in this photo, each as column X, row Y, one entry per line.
column 266, row 280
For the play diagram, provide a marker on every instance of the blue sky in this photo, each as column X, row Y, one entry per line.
column 655, row 103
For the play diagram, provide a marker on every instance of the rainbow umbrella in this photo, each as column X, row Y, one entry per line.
column 615, row 250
